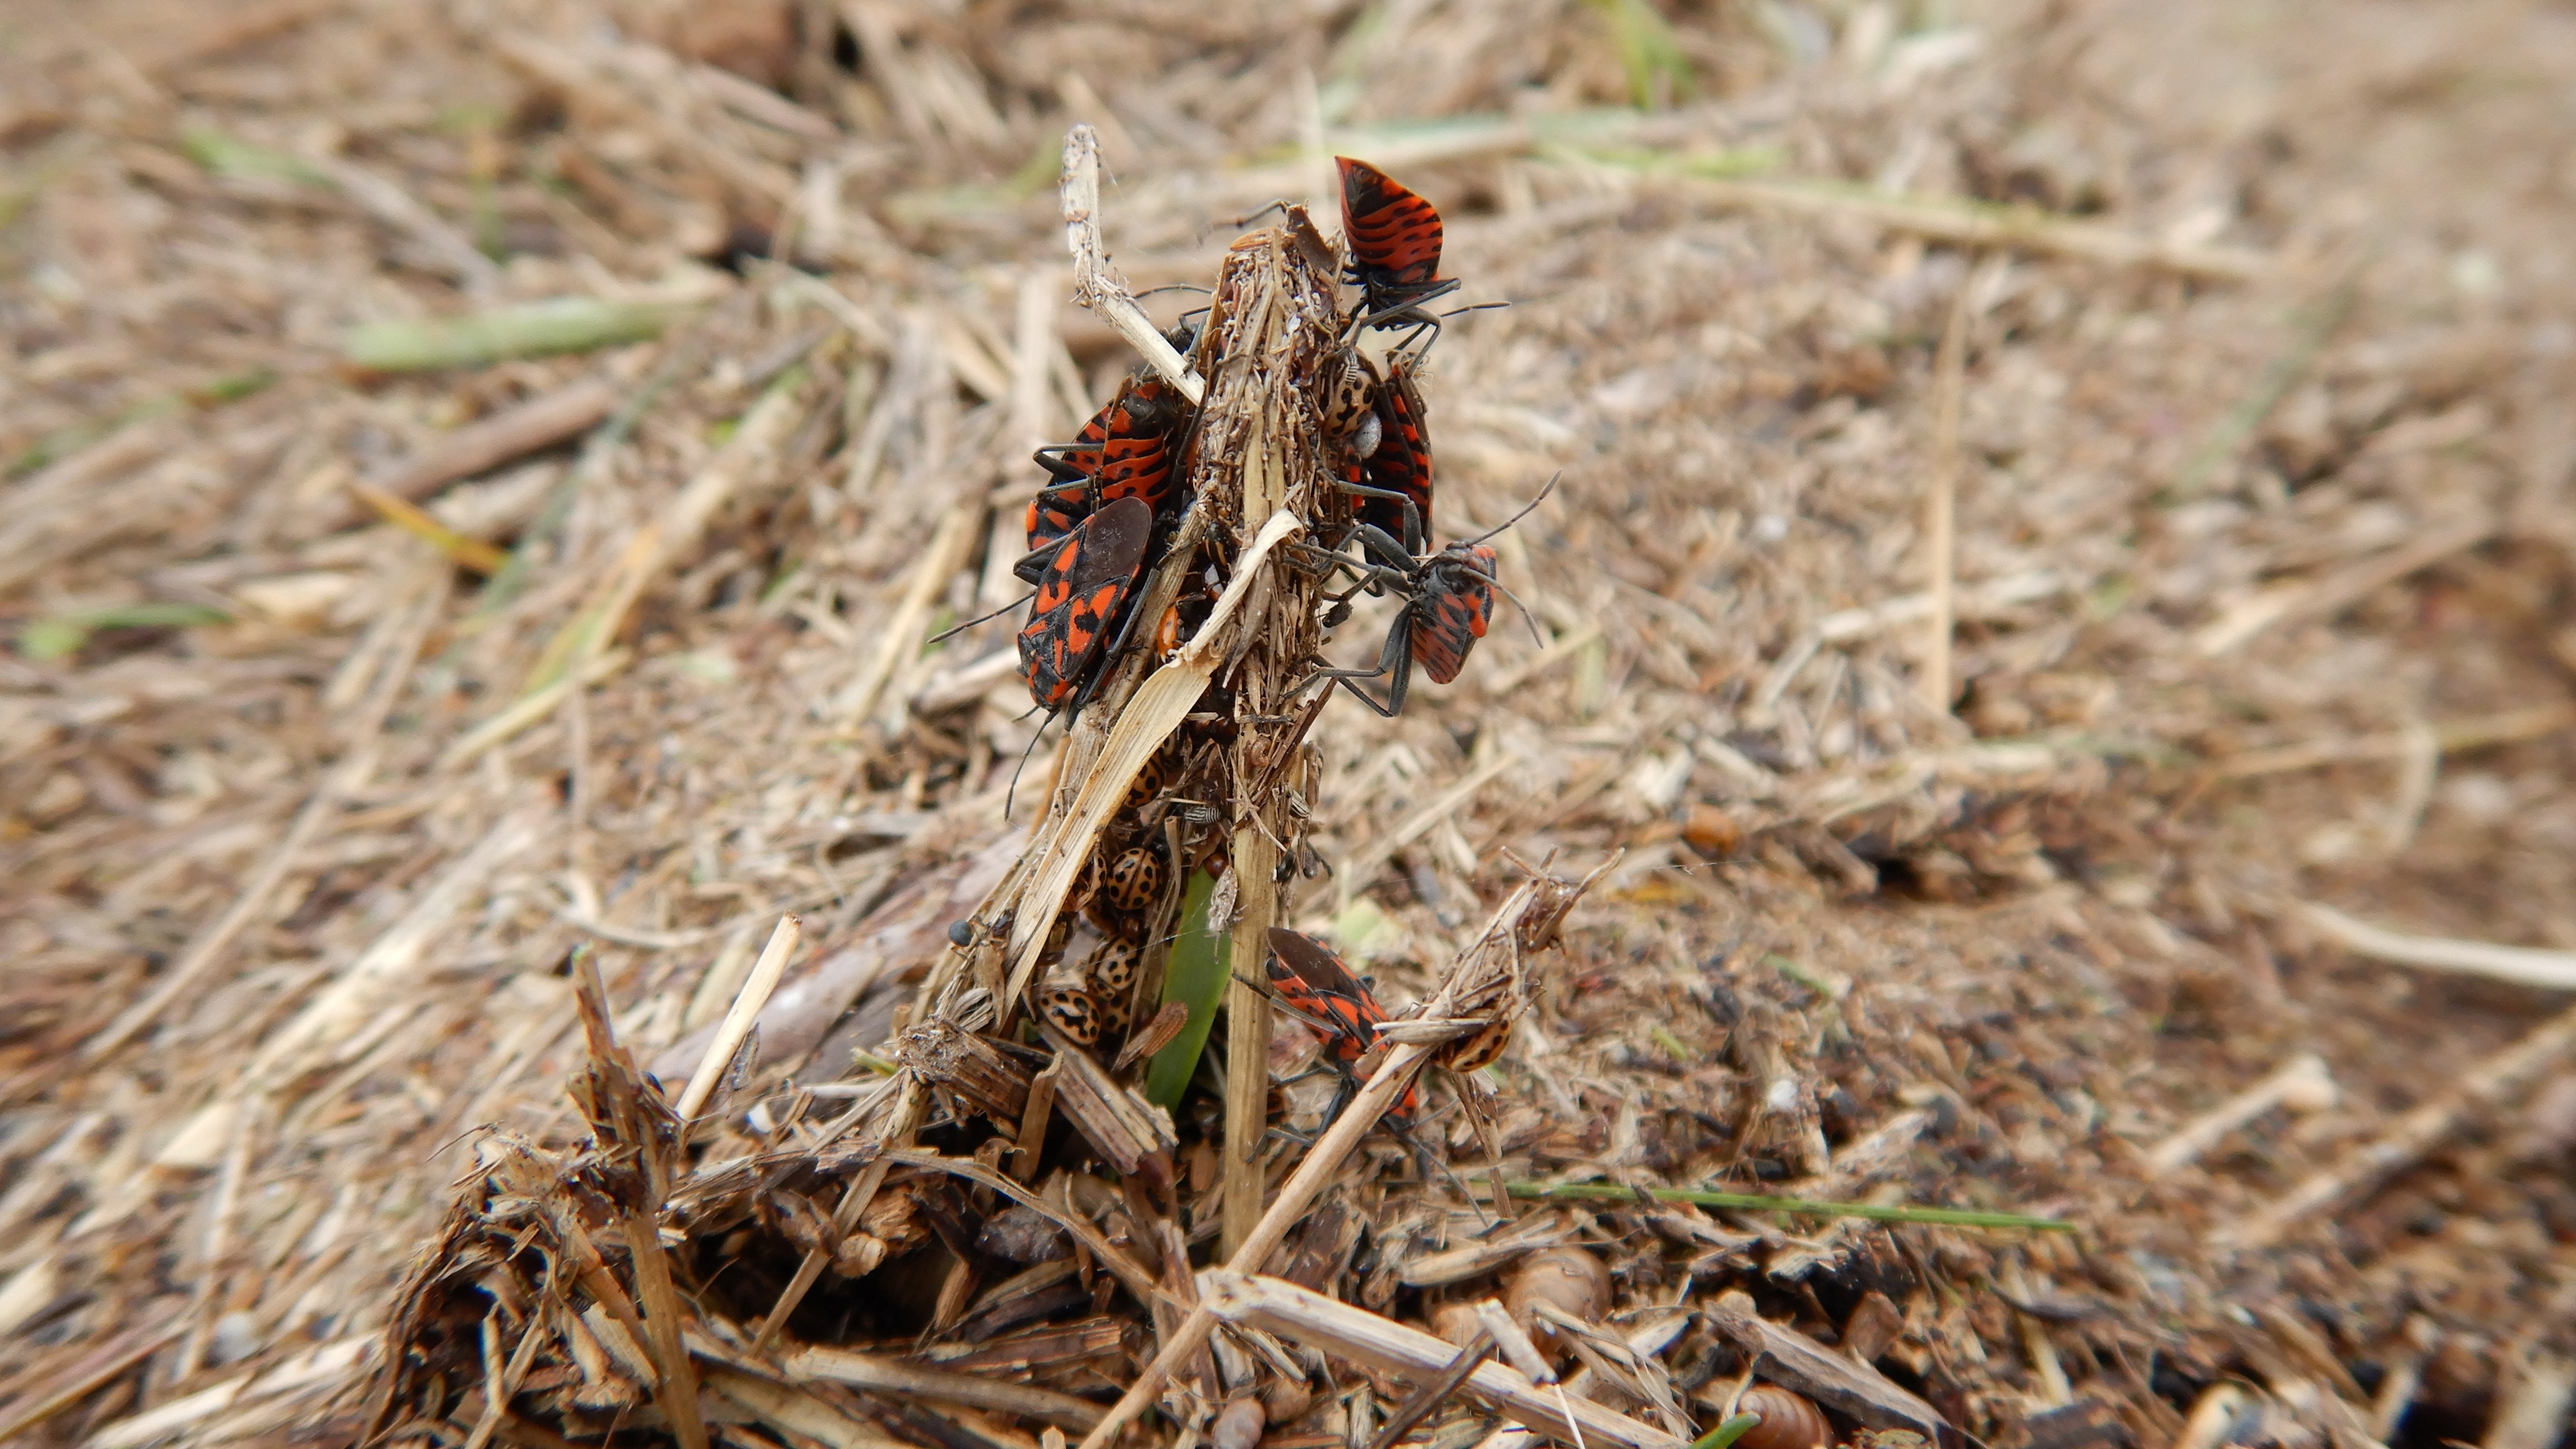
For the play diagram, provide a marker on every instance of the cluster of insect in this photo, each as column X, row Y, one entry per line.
column 1111, row 501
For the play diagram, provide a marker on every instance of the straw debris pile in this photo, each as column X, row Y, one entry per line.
column 2013, row 878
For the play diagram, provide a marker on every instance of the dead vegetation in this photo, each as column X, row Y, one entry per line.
column 482, row 486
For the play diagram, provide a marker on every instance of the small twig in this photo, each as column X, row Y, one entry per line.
column 1941, row 500
column 893, row 1376
column 941, row 558
column 1749, row 1202
column 2504, row 727
column 1420, row 1404
column 2405, row 1142
column 1979, row 226
column 738, row 1020
column 854, row 1202
column 2303, row 1082
column 1279, row 1307
column 2522, row 965
column 1096, row 284
column 540, row 422
column 411, row 518
column 2338, row 589
column 1247, row 1042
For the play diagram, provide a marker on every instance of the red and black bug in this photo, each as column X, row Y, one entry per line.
column 1123, row 452
column 1401, row 466
column 1315, row 983
column 1083, row 591
column 1394, row 237
column 1448, row 603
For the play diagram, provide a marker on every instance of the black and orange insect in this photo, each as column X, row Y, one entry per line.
column 1123, row 452
column 1313, row 981
column 1134, row 880
column 1400, row 469
column 1394, row 238
column 1111, row 966
column 1448, row 602
column 1073, row 1011
column 1081, row 602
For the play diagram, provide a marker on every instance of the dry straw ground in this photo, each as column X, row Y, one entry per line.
column 361, row 667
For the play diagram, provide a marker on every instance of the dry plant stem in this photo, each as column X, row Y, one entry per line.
column 2522, row 965
column 2451, row 737
column 1318, row 1168
column 2338, row 589
column 614, row 1084
column 1095, row 283
column 862, row 1191
column 355, row 764
column 540, row 422
column 1428, row 1397
column 1279, row 1307
column 893, row 1376
column 2405, row 1142
column 1934, row 221
column 940, row 560
column 92, row 1373
column 738, row 1020
column 1247, row 1042
column 1941, row 501
column 1799, row 1362
column 2303, row 1077
column 803, row 1415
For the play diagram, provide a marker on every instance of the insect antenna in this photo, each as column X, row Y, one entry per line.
column 1534, row 502
column 1013, row 792
column 1190, row 287
column 956, row 629
column 1526, row 616
column 1242, row 221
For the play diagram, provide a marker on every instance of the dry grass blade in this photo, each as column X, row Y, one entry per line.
column 2523, row 965
column 738, row 1019
column 1307, row 1317
column 2404, row 1142
column 885, row 1375
column 1941, row 498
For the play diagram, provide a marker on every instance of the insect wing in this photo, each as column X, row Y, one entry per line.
column 1394, row 234
column 1402, row 462
column 1457, row 603
column 1083, row 586
column 1314, row 980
